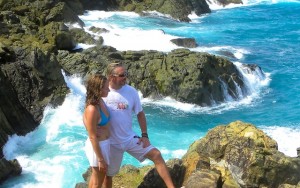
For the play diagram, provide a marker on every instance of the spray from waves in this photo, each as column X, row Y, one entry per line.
column 153, row 36
column 131, row 38
column 124, row 33
column 51, row 154
column 286, row 138
column 215, row 5
column 124, row 41
column 229, row 52
column 44, row 152
column 98, row 15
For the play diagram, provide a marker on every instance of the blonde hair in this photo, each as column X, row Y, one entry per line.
column 94, row 86
column 111, row 67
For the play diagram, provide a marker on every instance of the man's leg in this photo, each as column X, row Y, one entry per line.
column 161, row 167
column 115, row 160
column 107, row 182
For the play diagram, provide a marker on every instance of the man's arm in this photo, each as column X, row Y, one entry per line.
column 143, row 125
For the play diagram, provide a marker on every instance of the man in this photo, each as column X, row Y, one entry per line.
column 122, row 101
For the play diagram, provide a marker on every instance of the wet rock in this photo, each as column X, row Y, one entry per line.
column 185, row 42
column 9, row 168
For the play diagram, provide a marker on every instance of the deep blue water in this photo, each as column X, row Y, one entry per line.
column 266, row 34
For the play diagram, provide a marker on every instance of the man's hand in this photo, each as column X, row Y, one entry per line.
column 145, row 142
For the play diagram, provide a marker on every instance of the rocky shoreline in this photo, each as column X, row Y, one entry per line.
column 233, row 155
column 36, row 45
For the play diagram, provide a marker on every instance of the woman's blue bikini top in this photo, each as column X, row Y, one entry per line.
column 104, row 118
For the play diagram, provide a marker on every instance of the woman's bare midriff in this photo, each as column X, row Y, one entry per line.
column 103, row 132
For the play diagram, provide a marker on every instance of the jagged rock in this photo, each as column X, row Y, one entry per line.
column 227, row 2
column 99, row 5
column 179, row 9
column 185, row 42
column 9, row 168
column 81, row 185
column 98, row 30
column 130, row 169
column 144, row 177
column 63, row 12
column 82, row 37
column 227, row 54
column 244, row 155
column 6, row 53
column 204, row 178
column 153, row 180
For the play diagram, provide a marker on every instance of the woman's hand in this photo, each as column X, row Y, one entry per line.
column 102, row 165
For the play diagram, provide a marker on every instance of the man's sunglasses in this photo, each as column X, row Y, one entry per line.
column 125, row 74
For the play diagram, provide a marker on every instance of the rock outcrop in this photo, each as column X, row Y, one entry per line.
column 186, row 76
column 239, row 155
column 9, row 168
column 233, row 155
column 177, row 9
column 185, row 42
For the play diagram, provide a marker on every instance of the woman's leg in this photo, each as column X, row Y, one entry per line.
column 97, row 178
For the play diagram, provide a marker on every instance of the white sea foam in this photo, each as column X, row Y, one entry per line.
column 11, row 148
column 69, row 113
column 193, row 108
column 97, row 15
column 75, row 83
column 83, row 46
column 237, row 53
column 48, row 172
column 215, row 5
column 173, row 153
column 46, row 152
column 128, row 38
column 158, row 14
column 136, row 39
column 286, row 137
column 131, row 38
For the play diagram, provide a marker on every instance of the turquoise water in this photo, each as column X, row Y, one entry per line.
column 265, row 33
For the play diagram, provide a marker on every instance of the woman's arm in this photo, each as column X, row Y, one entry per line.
column 91, row 120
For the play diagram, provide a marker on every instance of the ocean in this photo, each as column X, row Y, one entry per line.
column 265, row 32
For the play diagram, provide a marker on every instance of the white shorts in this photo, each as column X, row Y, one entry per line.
column 117, row 151
column 91, row 155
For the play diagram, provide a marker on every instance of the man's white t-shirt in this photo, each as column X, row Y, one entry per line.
column 122, row 104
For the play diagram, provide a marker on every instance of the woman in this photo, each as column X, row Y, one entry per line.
column 96, row 120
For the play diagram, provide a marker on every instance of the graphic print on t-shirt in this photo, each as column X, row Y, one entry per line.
column 122, row 106
column 117, row 105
